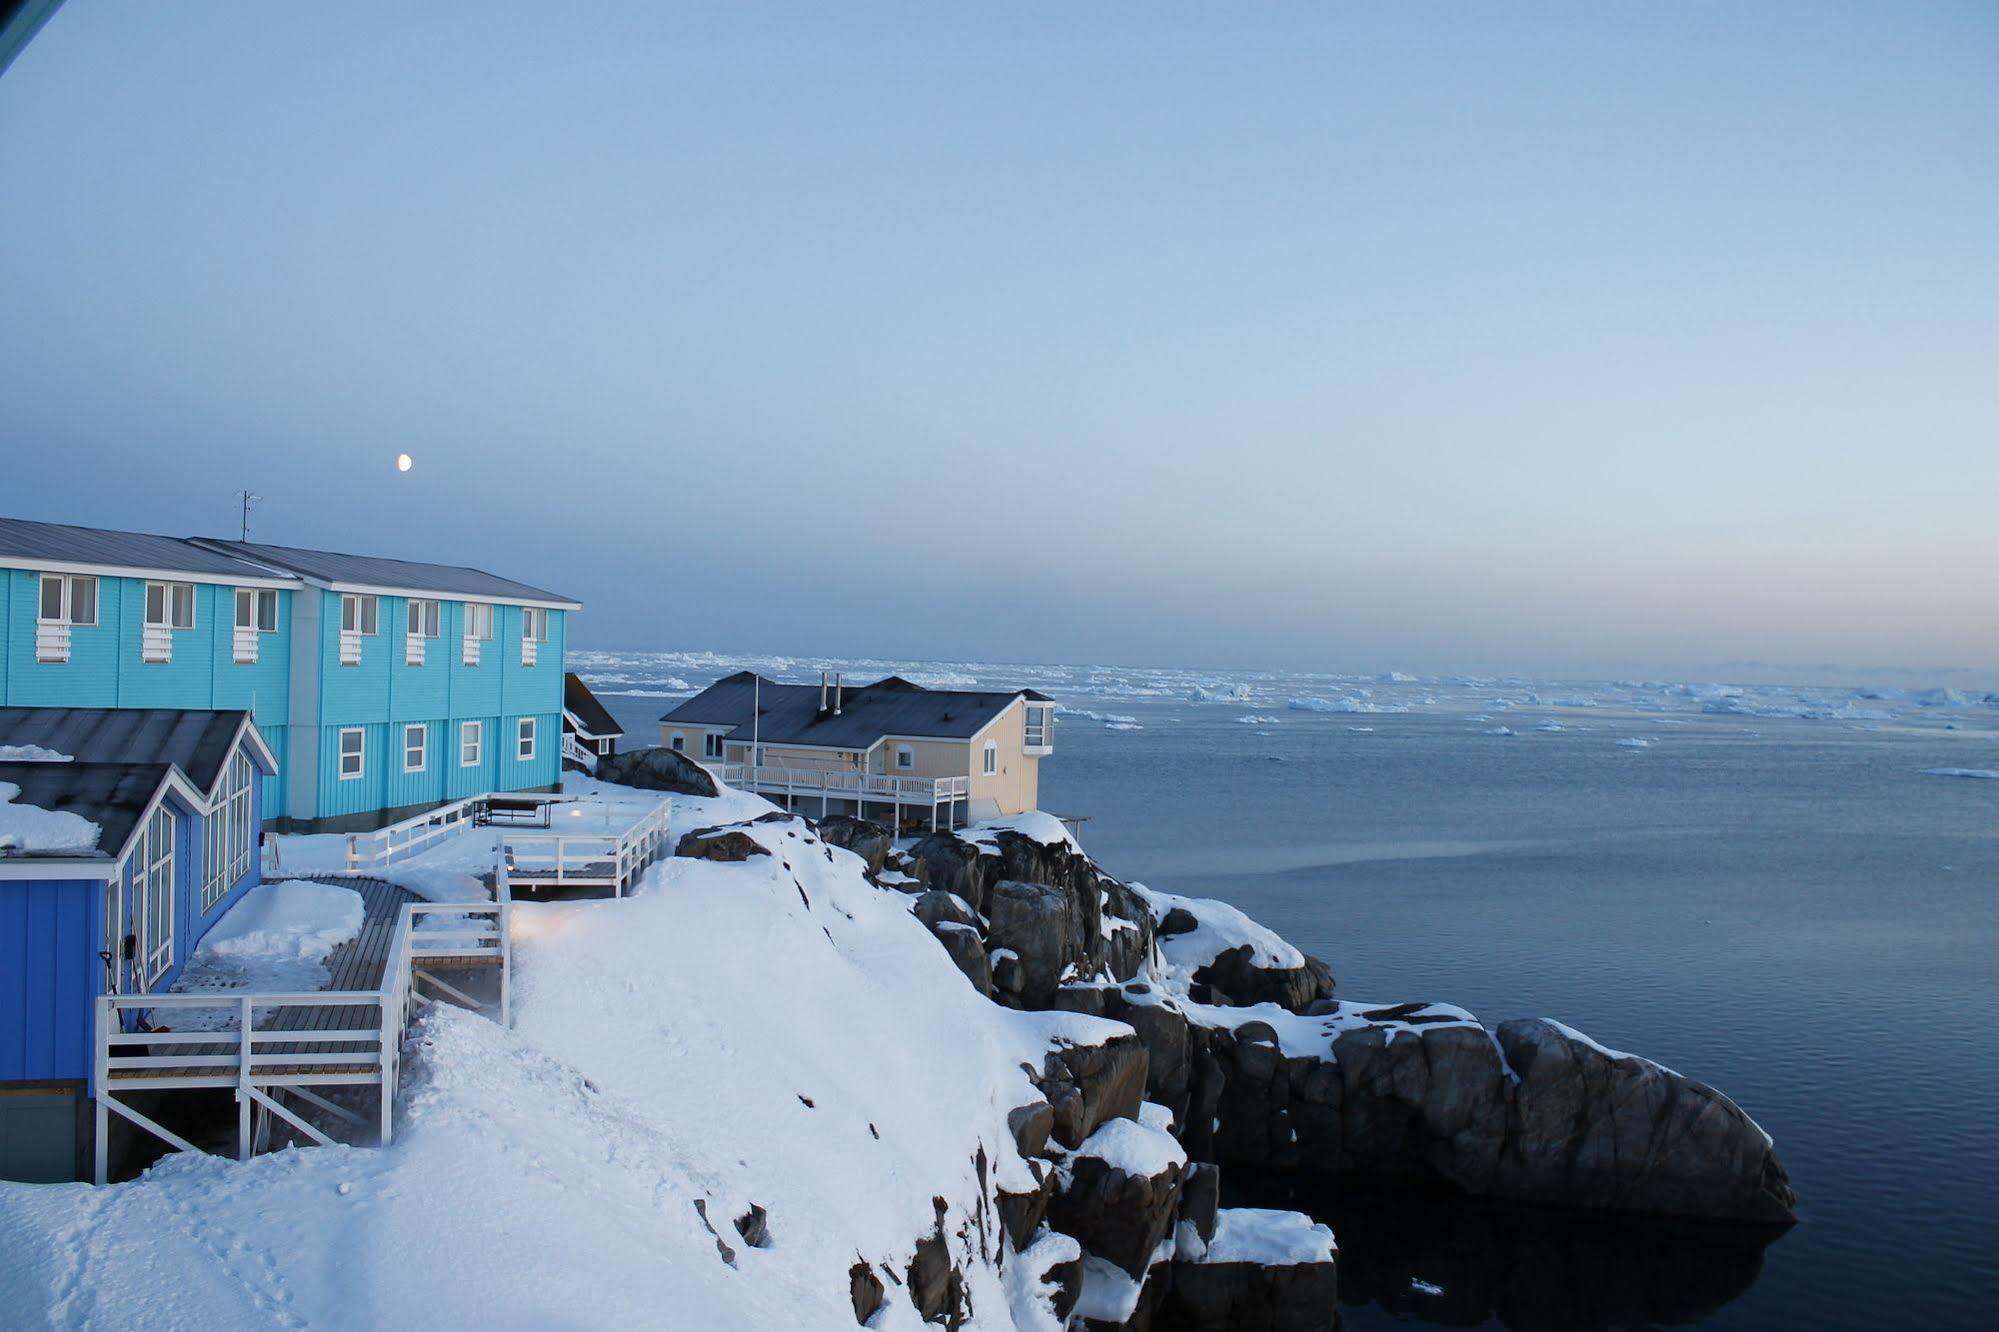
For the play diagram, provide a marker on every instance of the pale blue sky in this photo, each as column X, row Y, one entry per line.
column 1568, row 338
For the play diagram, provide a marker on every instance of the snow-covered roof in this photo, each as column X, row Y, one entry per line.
column 75, row 809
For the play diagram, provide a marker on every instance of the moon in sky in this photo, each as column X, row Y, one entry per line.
column 402, row 462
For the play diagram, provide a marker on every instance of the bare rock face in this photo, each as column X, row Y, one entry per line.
column 1120, row 1195
column 865, row 838
column 723, row 844
column 1236, row 974
column 1600, row 1129
column 866, row 1290
column 1422, row 1093
column 967, row 952
column 1088, row 1084
column 1050, row 932
column 1249, row 1297
column 1022, row 1212
column 657, row 769
column 1127, row 929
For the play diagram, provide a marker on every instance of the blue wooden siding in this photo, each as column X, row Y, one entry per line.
column 50, row 933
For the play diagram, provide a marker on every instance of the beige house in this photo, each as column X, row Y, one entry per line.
column 887, row 750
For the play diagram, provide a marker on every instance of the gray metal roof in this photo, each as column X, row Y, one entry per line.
column 59, row 543
column 448, row 580
column 110, row 795
column 197, row 741
column 790, row 712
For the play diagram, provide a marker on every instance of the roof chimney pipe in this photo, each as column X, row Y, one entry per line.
column 822, row 693
column 839, row 690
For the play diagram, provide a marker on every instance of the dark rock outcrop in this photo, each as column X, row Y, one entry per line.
column 1119, row 1215
column 1422, row 1094
column 1249, row 1297
column 1236, row 973
column 967, row 953
column 1602, row 1130
column 1021, row 1212
column 865, row 838
column 865, row 1288
column 1088, row 1084
column 1050, row 933
column 657, row 769
column 723, row 844
column 1030, row 1126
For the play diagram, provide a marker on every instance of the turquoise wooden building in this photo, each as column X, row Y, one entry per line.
column 382, row 686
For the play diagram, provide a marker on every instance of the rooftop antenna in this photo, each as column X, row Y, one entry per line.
column 249, row 502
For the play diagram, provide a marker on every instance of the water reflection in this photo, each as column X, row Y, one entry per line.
column 1463, row 1262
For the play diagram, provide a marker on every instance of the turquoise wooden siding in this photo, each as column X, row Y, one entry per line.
column 106, row 668
column 50, row 933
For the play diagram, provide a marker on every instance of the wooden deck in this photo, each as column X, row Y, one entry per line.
column 356, row 966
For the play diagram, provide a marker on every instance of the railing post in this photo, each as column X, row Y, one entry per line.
column 107, row 1018
column 243, row 1102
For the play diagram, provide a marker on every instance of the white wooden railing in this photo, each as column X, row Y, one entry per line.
column 51, row 641
column 399, row 841
column 156, row 643
column 262, row 1061
column 559, row 859
column 245, row 645
column 575, row 751
column 843, row 782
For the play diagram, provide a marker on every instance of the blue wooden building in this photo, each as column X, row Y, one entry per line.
column 125, row 834
column 382, row 686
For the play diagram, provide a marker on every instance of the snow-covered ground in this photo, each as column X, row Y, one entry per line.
column 777, row 1032
column 450, row 869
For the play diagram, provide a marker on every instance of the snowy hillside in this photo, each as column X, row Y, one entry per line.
column 776, row 1033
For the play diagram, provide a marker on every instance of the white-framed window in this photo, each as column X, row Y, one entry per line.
column 69, row 599
column 524, row 739
column 990, row 764
column 416, row 747
column 170, row 605
column 1038, row 726
column 353, row 753
column 479, row 621
column 711, row 745
column 905, row 757
column 678, row 744
column 534, row 623
column 423, row 618
column 228, row 834
column 360, row 613
column 471, row 740
column 257, row 608
column 153, row 895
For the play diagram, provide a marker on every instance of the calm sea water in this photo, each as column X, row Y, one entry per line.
column 1787, row 908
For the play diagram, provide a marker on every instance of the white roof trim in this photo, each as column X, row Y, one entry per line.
column 434, row 594
column 156, row 574
column 264, row 759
